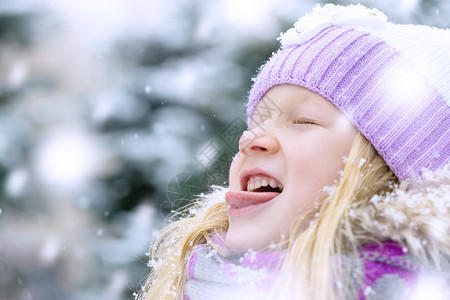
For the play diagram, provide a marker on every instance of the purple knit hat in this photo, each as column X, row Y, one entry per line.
column 391, row 81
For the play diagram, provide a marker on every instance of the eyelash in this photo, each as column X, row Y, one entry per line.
column 303, row 122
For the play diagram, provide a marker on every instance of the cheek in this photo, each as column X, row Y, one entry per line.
column 318, row 162
column 333, row 159
column 329, row 169
column 235, row 169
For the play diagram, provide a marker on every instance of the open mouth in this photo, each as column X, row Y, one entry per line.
column 256, row 190
column 262, row 183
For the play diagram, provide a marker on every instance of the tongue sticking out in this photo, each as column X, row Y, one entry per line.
column 238, row 199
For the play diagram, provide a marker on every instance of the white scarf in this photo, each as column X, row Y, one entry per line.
column 244, row 276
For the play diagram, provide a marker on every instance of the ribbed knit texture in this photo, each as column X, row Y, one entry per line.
column 401, row 111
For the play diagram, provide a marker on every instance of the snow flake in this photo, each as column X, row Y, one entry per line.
column 367, row 291
column 361, row 162
column 375, row 199
column 252, row 255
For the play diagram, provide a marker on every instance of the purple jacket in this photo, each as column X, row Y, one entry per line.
column 388, row 272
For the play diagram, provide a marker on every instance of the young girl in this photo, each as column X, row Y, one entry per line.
column 341, row 187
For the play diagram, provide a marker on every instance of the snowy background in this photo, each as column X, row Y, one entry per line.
column 115, row 112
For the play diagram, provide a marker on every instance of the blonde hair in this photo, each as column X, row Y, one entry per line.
column 314, row 251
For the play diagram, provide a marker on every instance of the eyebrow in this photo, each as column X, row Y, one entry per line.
column 309, row 105
column 296, row 106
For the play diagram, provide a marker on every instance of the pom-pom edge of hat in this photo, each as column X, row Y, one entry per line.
column 391, row 80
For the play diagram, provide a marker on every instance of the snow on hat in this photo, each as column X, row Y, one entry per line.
column 392, row 81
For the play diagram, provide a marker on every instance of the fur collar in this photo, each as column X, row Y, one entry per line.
column 418, row 218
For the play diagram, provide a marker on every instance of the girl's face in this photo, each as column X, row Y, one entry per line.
column 294, row 148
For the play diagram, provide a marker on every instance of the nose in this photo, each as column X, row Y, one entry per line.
column 258, row 140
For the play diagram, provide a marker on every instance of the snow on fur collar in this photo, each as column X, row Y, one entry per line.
column 419, row 218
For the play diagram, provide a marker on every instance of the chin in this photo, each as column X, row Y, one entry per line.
column 237, row 243
column 240, row 243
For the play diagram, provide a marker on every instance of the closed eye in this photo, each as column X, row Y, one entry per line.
column 303, row 122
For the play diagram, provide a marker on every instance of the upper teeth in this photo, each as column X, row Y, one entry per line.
column 258, row 181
